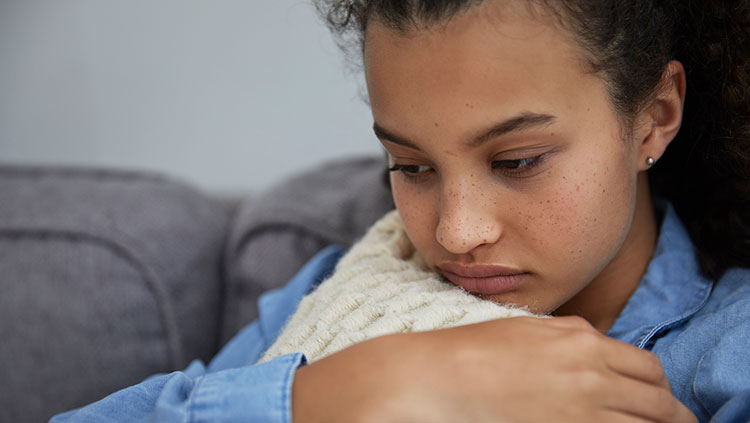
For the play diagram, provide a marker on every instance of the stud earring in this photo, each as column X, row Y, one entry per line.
column 650, row 161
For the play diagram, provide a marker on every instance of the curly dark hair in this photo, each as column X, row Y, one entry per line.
column 705, row 172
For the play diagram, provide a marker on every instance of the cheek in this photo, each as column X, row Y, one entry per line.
column 584, row 218
column 418, row 212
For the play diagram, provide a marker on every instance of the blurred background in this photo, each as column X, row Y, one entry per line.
column 228, row 95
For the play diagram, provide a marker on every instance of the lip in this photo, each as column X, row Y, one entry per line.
column 483, row 278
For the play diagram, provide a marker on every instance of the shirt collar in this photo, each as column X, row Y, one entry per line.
column 671, row 291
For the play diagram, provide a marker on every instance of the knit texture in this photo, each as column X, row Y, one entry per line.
column 381, row 286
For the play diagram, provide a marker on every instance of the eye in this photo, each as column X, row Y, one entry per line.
column 412, row 173
column 517, row 167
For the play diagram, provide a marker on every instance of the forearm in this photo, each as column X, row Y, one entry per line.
column 337, row 388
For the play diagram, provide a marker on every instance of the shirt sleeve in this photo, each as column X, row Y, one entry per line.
column 256, row 393
column 231, row 388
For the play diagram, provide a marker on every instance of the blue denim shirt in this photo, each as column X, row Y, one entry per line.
column 700, row 330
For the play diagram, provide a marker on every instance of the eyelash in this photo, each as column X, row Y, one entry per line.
column 517, row 169
column 410, row 172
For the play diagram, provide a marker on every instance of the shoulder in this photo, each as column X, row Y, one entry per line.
column 726, row 310
column 707, row 355
column 733, row 288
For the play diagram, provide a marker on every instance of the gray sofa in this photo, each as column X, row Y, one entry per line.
column 108, row 277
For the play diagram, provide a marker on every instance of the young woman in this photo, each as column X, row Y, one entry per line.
column 584, row 159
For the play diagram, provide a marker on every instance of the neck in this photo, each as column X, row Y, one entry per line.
column 602, row 301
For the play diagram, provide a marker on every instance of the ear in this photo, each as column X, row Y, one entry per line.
column 662, row 117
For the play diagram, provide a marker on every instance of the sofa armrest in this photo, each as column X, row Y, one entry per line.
column 107, row 277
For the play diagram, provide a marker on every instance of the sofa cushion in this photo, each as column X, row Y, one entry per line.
column 107, row 277
column 277, row 232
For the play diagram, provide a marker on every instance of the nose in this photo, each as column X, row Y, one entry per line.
column 466, row 222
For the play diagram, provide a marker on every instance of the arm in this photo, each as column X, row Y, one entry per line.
column 520, row 369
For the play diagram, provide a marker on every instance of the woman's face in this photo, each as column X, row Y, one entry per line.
column 511, row 173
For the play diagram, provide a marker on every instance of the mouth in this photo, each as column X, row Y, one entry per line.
column 482, row 278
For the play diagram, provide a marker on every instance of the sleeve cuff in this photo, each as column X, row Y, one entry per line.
column 259, row 393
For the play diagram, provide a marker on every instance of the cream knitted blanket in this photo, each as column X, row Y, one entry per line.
column 381, row 286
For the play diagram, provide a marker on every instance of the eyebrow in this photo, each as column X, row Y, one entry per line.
column 521, row 122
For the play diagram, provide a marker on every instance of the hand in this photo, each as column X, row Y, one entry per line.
column 508, row 370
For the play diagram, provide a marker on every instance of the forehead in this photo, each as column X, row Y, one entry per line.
column 492, row 57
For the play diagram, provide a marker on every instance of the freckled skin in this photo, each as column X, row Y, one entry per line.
column 580, row 223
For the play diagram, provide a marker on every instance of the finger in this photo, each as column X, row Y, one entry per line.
column 611, row 416
column 569, row 322
column 619, row 356
column 635, row 363
column 648, row 402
